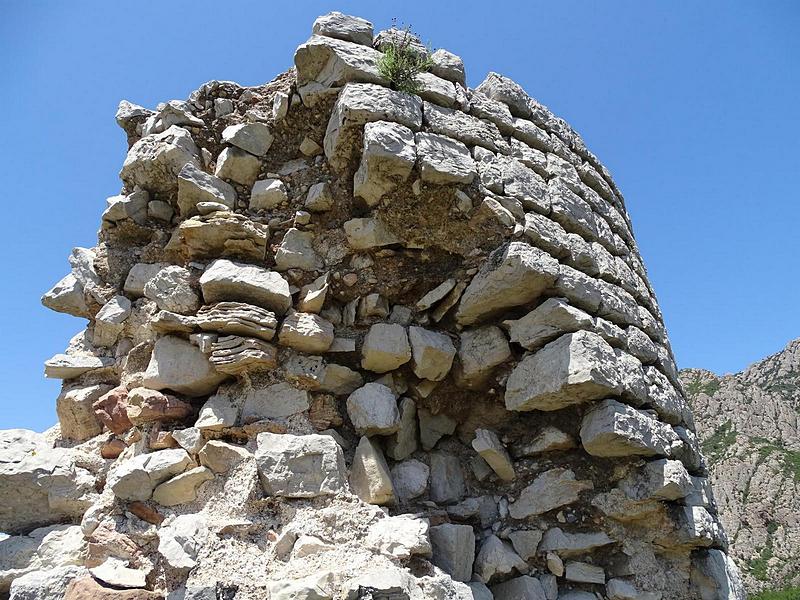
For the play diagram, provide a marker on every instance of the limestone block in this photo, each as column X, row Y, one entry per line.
column 410, row 479
column 87, row 588
column 619, row 589
column 180, row 540
column 148, row 406
column 447, row 478
column 344, row 27
column 135, row 478
column 227, row 280
column 190, row 439
column 402, row 536
column 575, row 368
column 366, row 233
column 275, row 401
column 361, row 103
column 76, row 414
column 546, row 322
column 221, row 456
column 442, row 160
column 67, row 297
column 454, row 549
column 503, row 89
column 403, row 443
column 520, row 588
column 153, row 163
column 218, row 412
column 567, row 544
column 45, row 583
column 268, row 194
column 714, row 576
column 512, row 275
column 69, row 366
column 237, row 165
column 448, row 66
column 491, row 449
column 340, row 380
column 387, row 158
column 369, row 476
column 480, row 350
column 663, row 479
column 548, row 439
column 495, row 558
column 195, row 186
column 254, row 138
column 433, row 427
column 177, row 365
column 312, row 587
column 526, row 542
column 299, row 466
column 182, row 488
column 372, row 409
column 220, row 234
column 238, row 318
column 552, row 489
column 319, row 197
column 233, row 354
column 385, row 348
column 306, row 332
column 432, row 353
column 460, row 126
column 484, row 107
column 582, row 572
column 296, row 251
column 615, row 429
column 437, row 90
column 171, row 289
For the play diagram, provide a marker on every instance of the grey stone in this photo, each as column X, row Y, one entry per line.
column 615, row 429
column 442, row 160
column 503, row 89
column 75, row 412
column 454, row 549
column 299, row 466
column 135, row 478
column 447, row 478
column 171, row 289
column 460, row 126
column 67, row 297
column 387, row 158
column 110, row 321
column 567, row 544
column 182, row 488
column 385, row 348
column 663, row 479
column 45, row 583
column 373, row 410
column 221, row 457
column 433, row 427
column 619, row 589
column 526, row 542
column 344, row 27
column 546, row 322
column 519, row 588
column 138, row 277
column 491, row 449
column 403, row 443
column 153, row 163
column 319, row 197
column 582, row 572
column 177, row 365
column 196, row 186
column 275, row 401
column 432, row 353
column 366, row 233
column 496, row 558
column 255, row 138
column 268, row 194
column 551, row 489
column 296, row 251
column 238, row 166
column 448, row 66
column 238, row 318
column 69, row 366
column 714, row 576
column 369, row 476
column 480, row 350
column 227, row 280
column 410, row 479
column 512, row 275
column 548, row 439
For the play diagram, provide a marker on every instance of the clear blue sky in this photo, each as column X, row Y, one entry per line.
column 693, row 106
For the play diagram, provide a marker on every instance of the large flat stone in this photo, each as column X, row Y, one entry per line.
column 454, row 549
column 227, row 280
column 370, row 479
column 442, row 160
column 387, row 158
column 177, row 365
column 552, row 489
column 153, row 163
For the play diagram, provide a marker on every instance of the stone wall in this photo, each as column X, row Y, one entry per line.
column 348, row 342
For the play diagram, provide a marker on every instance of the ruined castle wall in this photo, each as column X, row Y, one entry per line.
column 349, row 342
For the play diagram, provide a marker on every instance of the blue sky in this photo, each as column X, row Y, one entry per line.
column 692, row 106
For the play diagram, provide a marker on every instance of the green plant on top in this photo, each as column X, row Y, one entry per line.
column 402, row 62
column 788, row 594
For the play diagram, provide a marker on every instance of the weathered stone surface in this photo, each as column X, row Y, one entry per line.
column 76, row 414
column 182, row 488
column 401, row 536
column 454, row 549
column 366, row 233
column 714, row 576
column 111, row 409
column 233, row 354
column 221, row 234
column 225, row 280
column 180, row 540
column 548, row 439
column 138, row 277
column 460, row 126
column 218, row 412
column 114, row 572
column 110, row 321
column 221, row 456
column 195, row 186
column 491, row 449
column 385, row 348
column 582, row 572
column 135, row 478
column 171, row 289
column 361, row 103
column 275, row 401
column 153, row 163
column 238, row 318
column 148, row 406
column 442, row 160
column 387, row 158
column 447, row 478
column 255, row 138
column 237, row 165
column 433, row 427
column 521, row 588
column 572, row 544
column 619, row 589
column 525, row 542
column 552, row 489
column 503, row 89
column 296, row 251
column 496, row 558
column 45, row 583
column 313, row 587
column 547, row 322
column 513, row 275
column 479, row 351
column 306, row 332
column 373, row 410
column 432, row 353
column 575, row 368
column 87, row 588
column 299, row 466
column 319, row 198
column 410, row 479
column 448, row 66
column 403, row 443
column 663, row 479
column 369, row 476
column 344, row 27
column 69, row 366
column 67, row 296
column 268, row 194
column 615, row 429
column 177, row 365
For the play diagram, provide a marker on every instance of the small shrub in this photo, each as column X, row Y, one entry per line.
column 401, row 63
column 788, row 594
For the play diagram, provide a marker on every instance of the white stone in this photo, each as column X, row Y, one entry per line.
column 306, row 332
column 497, row 557
column 177, row 365
column 551, row 489
column 373, row 410
column 582, row 572
column 547, row 322
column 171, row 289
column 114, row 572
column 442, row 160
column 319, row 197
column 402, row 536
column 138, row 277
column 196, row 186
column 227, row 280
column 385, row 348
column 368, row 232
column 275, row 401
column 387, row 159
column 135, row 478
column 480, row 350
column 254, row 138
column 180, row 540
column 491, row 449
column 238, row 166
column 67, row 296
column 153, row 163
column 432, row 353
column 296, row 251
column 110, row 321
column 369, row 476
column 344, row 27
column 182, row 488
column 567, row 544
column 268, row 194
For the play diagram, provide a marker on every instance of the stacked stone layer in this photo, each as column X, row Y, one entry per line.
column 348, row 342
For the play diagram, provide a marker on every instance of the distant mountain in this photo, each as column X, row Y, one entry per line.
column 749, row 424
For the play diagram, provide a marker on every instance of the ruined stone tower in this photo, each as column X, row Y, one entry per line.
column 349, row 342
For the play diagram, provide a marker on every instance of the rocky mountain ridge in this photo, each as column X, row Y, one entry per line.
column 749, row 427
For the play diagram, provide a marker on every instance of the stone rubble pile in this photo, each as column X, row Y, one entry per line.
column 346, row 342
